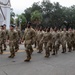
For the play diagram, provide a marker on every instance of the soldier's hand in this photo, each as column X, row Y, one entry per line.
column 7, row 40
column 22, row 41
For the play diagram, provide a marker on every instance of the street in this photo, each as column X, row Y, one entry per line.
column 61, row 64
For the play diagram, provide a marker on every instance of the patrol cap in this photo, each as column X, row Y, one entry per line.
column 12, row 25
column 4, row 24
column 29, row 23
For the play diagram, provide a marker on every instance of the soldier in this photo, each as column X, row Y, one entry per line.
column 19, row 39
column 12, row 38
column 57, row 43
column 5, row 38
column 39, row 37
column 73, row 40
column 46, row 40
column 2, row 36
column 70, row 39
column 63, row 37
column 29, row 34
column 54, row 33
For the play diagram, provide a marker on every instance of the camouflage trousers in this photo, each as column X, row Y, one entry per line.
column 1, row 50
column 40, row 46
column 48, row 48
column 29, row 49
column 69, row 44
column 63, row 43
column 57, row 46
column 12, row 48
column 16, row 46
column 73, row 44
column 4, row 44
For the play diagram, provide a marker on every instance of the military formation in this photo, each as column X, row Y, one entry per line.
column 49, row 40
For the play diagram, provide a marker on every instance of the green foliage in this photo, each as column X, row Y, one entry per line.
column 49, row 15
column 22, row 19
column 36, row 17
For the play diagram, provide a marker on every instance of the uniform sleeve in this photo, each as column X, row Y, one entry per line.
column 20, row 34
column 15, row 35
column 7, row 37
column 33, row 33
column 23, row 38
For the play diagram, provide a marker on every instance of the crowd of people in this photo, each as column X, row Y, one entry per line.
column 48, row 39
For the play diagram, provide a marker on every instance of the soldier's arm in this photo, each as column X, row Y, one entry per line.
column 23, row 38
column 33, row 33
column 15, row 36
column 7, row 37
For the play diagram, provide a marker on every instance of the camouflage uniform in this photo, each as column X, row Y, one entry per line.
column 5, row 38
column 48, row 46
column 39, row 36
column 53, row 41
column 18, row 41
column 2, row 36
column 12, row 37
column 70, row 39
column 63, row 40
column 57, row 43
column 46, row 40
column 29, row 34
column 73, row 40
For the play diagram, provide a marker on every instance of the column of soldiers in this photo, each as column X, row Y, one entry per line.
column 49, row 40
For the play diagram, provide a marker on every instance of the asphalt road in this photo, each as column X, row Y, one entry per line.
column 61, row 64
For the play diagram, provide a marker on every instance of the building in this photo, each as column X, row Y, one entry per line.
column 5, row 12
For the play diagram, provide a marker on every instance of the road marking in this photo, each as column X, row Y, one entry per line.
column 19, row 51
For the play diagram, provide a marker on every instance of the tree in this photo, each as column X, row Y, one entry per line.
column 21, row 20
column 51, row 14
column 36, row 17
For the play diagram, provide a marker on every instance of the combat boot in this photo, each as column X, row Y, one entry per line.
column 47, row 56
column 28, row 59
column 13, row 55
column 10, row 56
column 40, row 51
column 64, row 50
column 16, row 50
column 69, row 50
column 1, row 52
column 53, row 52
column 4, row 50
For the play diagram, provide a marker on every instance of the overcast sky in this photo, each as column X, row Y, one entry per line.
column 19, row 5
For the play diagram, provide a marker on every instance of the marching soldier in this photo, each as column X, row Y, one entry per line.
column 19, row 39
column 70, row 39
column 29, row 34
column 53, row 41
column 2, row 36
column 12, row 38
column 5, row 38
column 73, row 40
column 63, row 40
column 46, row 40
column 39, row 37
column 57, row 43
